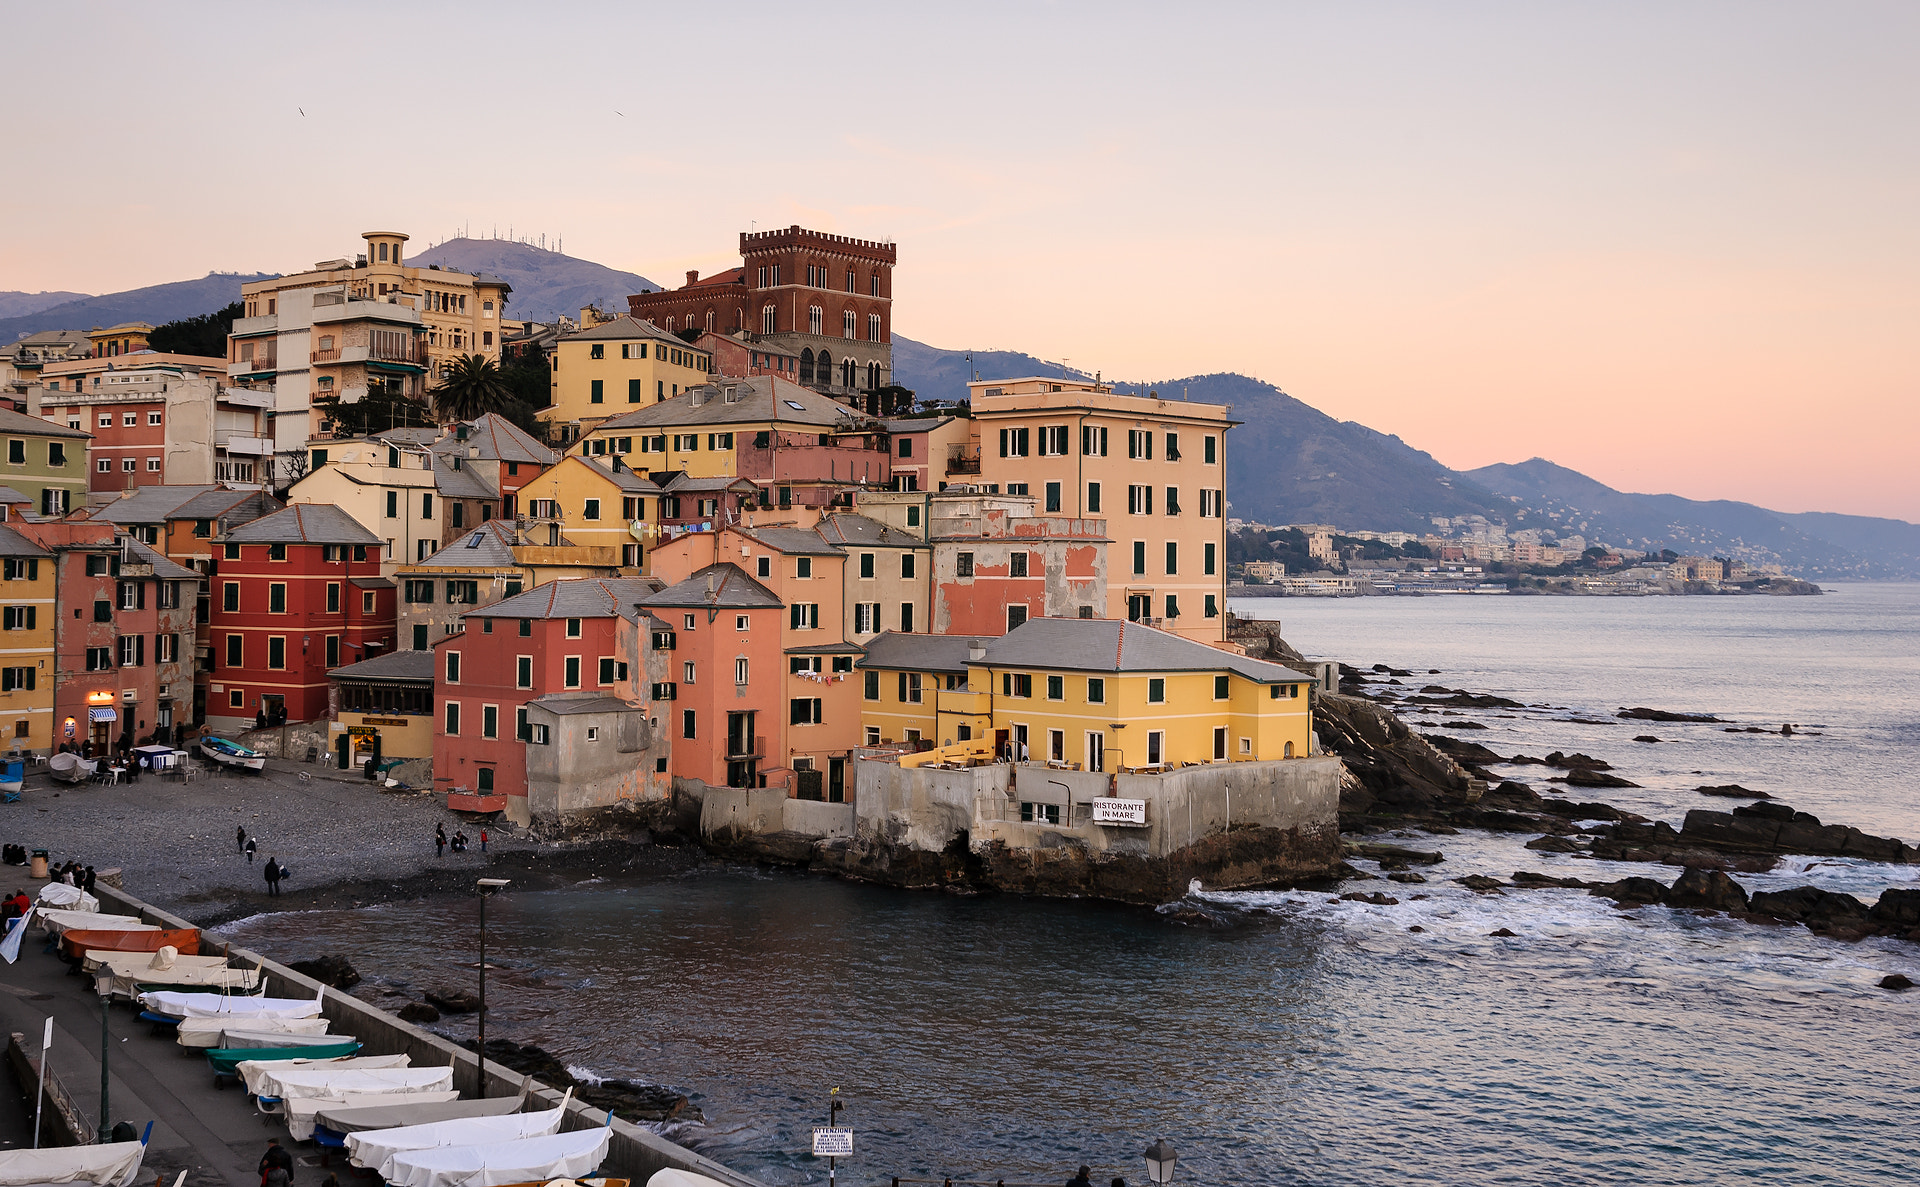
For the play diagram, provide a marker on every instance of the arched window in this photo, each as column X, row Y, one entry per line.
column 847, row 372
column 767, row 320
column 813, row 319
column 823, row 368
column 806, row 365
column 1289, row 750
column 383, row 253
column 669, row 323
column 846, row 323
column 873, row 377
column 709, row 321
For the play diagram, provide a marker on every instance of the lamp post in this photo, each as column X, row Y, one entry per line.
column 487, row 887
column 106, row 1125
column 1160, row 1160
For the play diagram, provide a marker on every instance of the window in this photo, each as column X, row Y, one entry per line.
column 1157, row 691
column 913, row 517
column 571, row 668
column 740, row 670
column 1014, row 442
column 366, row 603
column 419, row 636
column 687, row 720
column 1222, row 688
column 229, row 596
column 592, row 509
column 489, row 723
column 803, row 567
column 1173, row 447
column 846, row 323
column 1156, row 747
column 536, row 734
column 963, row 564
column 1173, row 500
column 1016, row 684
column 21, row 618
column 1053, row 497
column 1053, row 440
column 1056, row 690
column 1139, row 558
column 1209, row 503
column 103, row 466
column 1213, row 606
column 453, row 718
column 1173, row 606
column 598, row 350
column 1093, row 441
column 57, row 453
column 453, row 667
column 463, row 593
column 573, row 628
column 1207, row 553
column 866, row 618
column 1016, row 617
column 13, row 679
column 1139, row 500
column 523, row 671
column 153, row 465
column 804, row 616
column 906, row 618
column 1093, row 498
column 235, row 652
column 333, row 597
column 803, row 711
column 686, row 621
column 100, row 659
column 277, row 651
column 1140, row 444
column 1096, row 691
column 235, row 699
column 277, row 598
column 1173, row 557
column 687, row 672
column 393, row 504
column 1210, row 451
column 276, row 552
column 419, row 592
column 426, row 506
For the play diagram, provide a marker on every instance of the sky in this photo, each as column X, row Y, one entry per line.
column 1671, row 245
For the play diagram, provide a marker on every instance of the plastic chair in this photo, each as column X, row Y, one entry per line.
column 9, row 797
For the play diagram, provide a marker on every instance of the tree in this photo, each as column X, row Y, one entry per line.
column 205, row 335
column 471, row 387
column 382, row 408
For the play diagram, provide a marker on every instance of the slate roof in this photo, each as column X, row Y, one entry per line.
column 1110, row 645
column 243, row 505
column 494, row 547
column 626, row 328
column 734, row 590
column 676, row 482
column 371, row 582
column 917, row 653
column 463, row 483
column 20, row 422
column 792, row 541
column 562, row 705
column 150, row 504
column 761, row 398
column 920, row 424
column 843, row 528
column 498, row 440
column 574, row 597
column 10, row 495
column 416, row 666
column 304, row 523
column 12, row 543
column 162, row 567
column 624, row 478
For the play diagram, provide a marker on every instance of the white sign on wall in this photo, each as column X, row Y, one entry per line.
column 1108, row 810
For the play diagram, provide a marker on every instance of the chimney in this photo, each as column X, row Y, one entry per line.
column 693, row 275
column 976, row 651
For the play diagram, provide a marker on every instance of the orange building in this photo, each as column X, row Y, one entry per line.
column 722, row 704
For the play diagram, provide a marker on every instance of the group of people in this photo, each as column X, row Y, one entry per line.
column 15, row 905
column 13, row 855
column 459, row 843
column 275, row 871
column 75, row 874
column 1085, row 1179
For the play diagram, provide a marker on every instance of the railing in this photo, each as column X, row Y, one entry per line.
column 325, row 356
column 962, row 464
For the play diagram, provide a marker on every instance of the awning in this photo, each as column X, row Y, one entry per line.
column 103, row 714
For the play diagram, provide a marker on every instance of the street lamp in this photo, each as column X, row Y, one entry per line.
column 487, row 887
column 1160, row 1160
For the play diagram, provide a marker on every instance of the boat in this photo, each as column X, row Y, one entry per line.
column 65, row 896
column 375, row 1149
column 54, row 921
column 225, row 1061
column 673, row 1177
column 284, row 1079
column 75, row 944
column 112, row 1164
column 68, row 767
column 213, row 1032
column 229, row 753
column 341, row 1121
column 13, row 775
column 227, row 1006
column 299, row 1112
column 479, row 805
column 528, row 1160
column 237, row 1038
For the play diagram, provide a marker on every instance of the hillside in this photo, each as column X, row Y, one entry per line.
column 155, row 304
column 17, row 304
column 546, row 284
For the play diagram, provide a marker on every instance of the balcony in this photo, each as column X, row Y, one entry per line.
column 759, row 743
column 246, row 398
column 963, row 463
column 265, row 364
column 324, row 356
column 248, row 443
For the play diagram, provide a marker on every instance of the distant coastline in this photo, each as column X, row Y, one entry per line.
column 1363, row 586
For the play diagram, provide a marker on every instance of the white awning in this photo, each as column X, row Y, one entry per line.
column 97, row 714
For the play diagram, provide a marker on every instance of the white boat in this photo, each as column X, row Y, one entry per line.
column 530, row 1160
column 56, row 922
column 410, row 1111
column 64, row 897
column 300, row 1111
column 209, row 1032
column 293, row 1077
column 229, row 753
column 259, row 1075
column 375, row 1149
column 113, row 1164
column 69, row 767
column 247, row 1040
column 174, row 1004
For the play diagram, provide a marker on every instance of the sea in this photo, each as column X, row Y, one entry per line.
column 1302, row 1039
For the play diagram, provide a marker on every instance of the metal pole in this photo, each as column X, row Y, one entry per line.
column 483, row 994
column 833, row 1111
column 106, row 1125
column 39, row 1102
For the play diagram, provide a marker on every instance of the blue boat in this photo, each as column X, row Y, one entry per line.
column 232, row 754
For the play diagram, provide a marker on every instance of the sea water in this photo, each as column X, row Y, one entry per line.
column 1314, row 1040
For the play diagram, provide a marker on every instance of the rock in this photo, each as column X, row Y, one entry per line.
column 1708, row 890
column 1409, row 878
column 1386, row 853
column 1377, row 898
column 453, row 1001
column 1897, row 912
column 626, row 1098
column 1481, row 884
column 1587, row 777
column 1631, row 892
column 1645, row 738
column 1569, row 810
column 1895, row 982
column 1820, row 910
column 1389, row 864
column 1461, row 750
column 328, row 970
column 1528, row 880
column 1504, row 932
column 1733, row 791
column 1514, row 792
column 1551, row 844
column 1775, row 828
column 1416, row 927
column 1568, row 761
column 1645, row 714
column 1765, row 811
column 418, row 1012
column 1526, row 760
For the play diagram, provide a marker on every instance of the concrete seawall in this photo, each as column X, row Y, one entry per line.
column 635, row 1153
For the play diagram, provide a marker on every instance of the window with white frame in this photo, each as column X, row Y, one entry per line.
column 873, row 327
column 815, row 318
column 846, row 323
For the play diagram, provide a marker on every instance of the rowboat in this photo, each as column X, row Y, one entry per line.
column 213, row 1032
column 375, row 1149
column 112, row 1164
column 225, row 1061
column 299, row 1112
column 74, row 945
column 528, row 1160
column 231, row 1008
column 265, row 1039
column 55, row 922
column 344, row 1077
column 232, row 754
column 334, row 1123
column 13, row 775
column 68, row 767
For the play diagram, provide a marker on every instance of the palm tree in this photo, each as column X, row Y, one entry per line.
column 471, row 387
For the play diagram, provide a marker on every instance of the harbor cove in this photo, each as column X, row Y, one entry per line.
column 1283, row 1036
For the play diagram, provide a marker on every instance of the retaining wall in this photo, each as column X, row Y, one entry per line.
column 635, row 1153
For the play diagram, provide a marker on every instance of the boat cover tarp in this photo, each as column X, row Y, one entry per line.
column 529, row 1160
column 219, row 1005
column 234, row 1039
column 208, row 1032
column 264, row 1076
column 410, row 1113
column 374, row 1149
column 67, row 898
column 69, row 767
column 55, row 921
column 162, row 964
column 301, row 1110
column 223, row 1060
column 115, row 978
column 673, row 1176
column 114, row 1164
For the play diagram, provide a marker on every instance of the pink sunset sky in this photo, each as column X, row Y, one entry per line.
column 1673, row 246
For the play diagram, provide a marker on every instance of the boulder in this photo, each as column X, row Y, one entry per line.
column 1709, row 890
column 1778, row 812
column 1568, row 761
column 1820, row 910
column 1377, row 898
column 1587, row 777
column 1733, row 791
column 453, row 1001
column 1551, row 844
column 328, row 970
column 1645, row 714
column 1503, row 932
column 1528, row 880
column 1896, row 982
column 1407, row 877
column 1481, row 884
column 1631, row 892
column 418, row 1012
column 1645, row 738
column 1570, row 810
column 1897, row 912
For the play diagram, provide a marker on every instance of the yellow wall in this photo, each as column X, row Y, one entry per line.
column 938, row 716
column 1187, row 717
column 575, row 370
column 412, row 740
column 710, row 457
column 571, row 482
column 29, row 649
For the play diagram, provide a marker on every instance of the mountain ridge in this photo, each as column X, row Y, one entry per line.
column 154, row 304
column 546, row 284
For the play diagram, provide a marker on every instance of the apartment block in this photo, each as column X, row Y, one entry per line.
column 28, row 617
column 613, row 368
column 44, row 462
column 161, row 419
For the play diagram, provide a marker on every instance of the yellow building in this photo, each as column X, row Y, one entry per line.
column 495, row 560
column 596, row 505
column 1153, row 469
column 381, row 708
column 913, row 689
column 762, row 428
column 387, row 485
column 124, row 338
column 27, row 581
column 1107, row 694
column 613, row 368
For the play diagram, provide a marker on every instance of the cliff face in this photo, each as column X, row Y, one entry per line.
column 1389, row 767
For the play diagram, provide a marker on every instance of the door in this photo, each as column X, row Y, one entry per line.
column 1220, row 744
column 1155, row 747
column 1096, row 751
column 836, row 781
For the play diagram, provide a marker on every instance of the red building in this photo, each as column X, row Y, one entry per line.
column 996, row 565
column 826, row 298
column 294, row 594
column 123, row 636
column 727, row 712
column 741, row 356
column 500, row 452
column 563, row 637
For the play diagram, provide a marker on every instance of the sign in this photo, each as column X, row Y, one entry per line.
column 385, row 721
column 1125, row 813
column 357, row 730
column 832, row 1143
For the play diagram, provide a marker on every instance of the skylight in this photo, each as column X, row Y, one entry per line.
column 474, row 540
column 796, row 405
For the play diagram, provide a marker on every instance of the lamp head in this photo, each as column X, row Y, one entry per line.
column 489, row 885
column 1160, row 1160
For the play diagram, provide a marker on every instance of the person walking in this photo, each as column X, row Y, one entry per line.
column 277, row 1158
column 273, row 875
column 250, row 848
column 439, row 840
column 240, row 838
column 483, row 840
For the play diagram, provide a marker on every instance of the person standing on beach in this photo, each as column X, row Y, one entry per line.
column 249, row 848
column 273, row 875
column 439, row 840
column 240, row 838
column 483, row 840
column 276, row 1159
